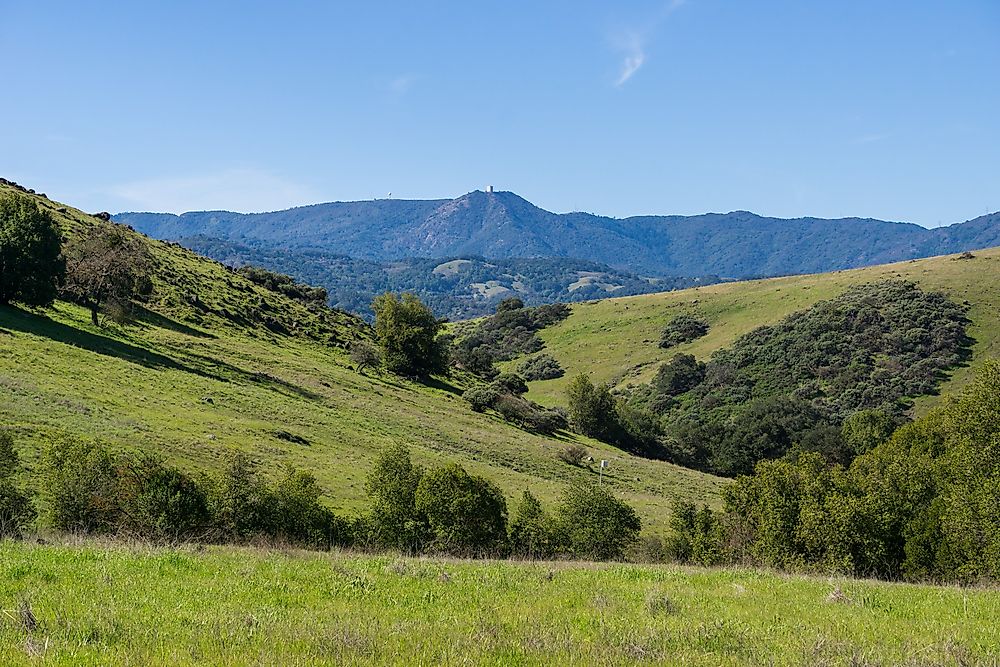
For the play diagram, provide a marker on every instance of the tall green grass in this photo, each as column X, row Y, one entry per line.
column 134, row 605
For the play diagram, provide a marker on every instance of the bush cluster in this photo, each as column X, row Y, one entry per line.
column 447, row 510
column 509, row 333
column 923, row 503
column 683, row 329
column 540, row 367
column 505, row 396
column 87, row 488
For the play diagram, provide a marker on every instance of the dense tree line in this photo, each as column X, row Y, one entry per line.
column 923, row 503
column 83, row 487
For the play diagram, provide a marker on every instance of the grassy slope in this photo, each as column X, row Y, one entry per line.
column 111, row 605
column 197, row 391
column 617, row 340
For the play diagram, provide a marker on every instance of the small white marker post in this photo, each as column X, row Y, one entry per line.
column 600, row 477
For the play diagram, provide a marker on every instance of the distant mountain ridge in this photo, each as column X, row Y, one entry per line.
column 503, row 225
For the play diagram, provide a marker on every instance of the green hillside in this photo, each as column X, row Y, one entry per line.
column 217, row 363
column 616, row 340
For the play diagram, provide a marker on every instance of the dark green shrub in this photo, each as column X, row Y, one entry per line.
column 241, row 503
column 80, row 487
column 476, row 360
column 510, row 303
column 531, row 530
column 541, row 367
column 511, row 383
column 467, row 515
column 681, row 374
column 593, row 524
column 394, row 521
column 31, row 263
column 683, row 329
column 481, row 398
column 160, row 502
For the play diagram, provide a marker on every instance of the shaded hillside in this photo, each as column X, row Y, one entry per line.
column 454, row 287
column 503, row 225
column 217, row 363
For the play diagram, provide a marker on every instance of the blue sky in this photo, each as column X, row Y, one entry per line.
column 867, row 108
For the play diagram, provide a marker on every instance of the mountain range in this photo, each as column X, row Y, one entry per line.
column 503, row 225
column 464, row 255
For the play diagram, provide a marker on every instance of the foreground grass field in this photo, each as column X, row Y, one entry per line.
column 130, row 605
column 195, row 383
column 616, row 340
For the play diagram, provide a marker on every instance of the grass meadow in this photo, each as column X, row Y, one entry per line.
column 92, row 603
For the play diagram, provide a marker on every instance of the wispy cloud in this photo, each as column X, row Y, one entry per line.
column 632, row 42
column 401, row 85
column 244, row 189
column 870, row 138
column 635, row 56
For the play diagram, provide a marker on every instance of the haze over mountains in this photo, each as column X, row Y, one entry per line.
column 503, row 225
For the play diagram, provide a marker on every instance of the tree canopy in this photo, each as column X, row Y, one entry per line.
column 31, row 263
column 407, row 333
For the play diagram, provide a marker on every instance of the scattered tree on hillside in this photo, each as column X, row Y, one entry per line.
column 407, row 333
column 591, row 409
column 31, row 264
column 365, row 355
column 106, row 268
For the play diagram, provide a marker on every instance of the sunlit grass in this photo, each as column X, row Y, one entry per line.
column 136, row 605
